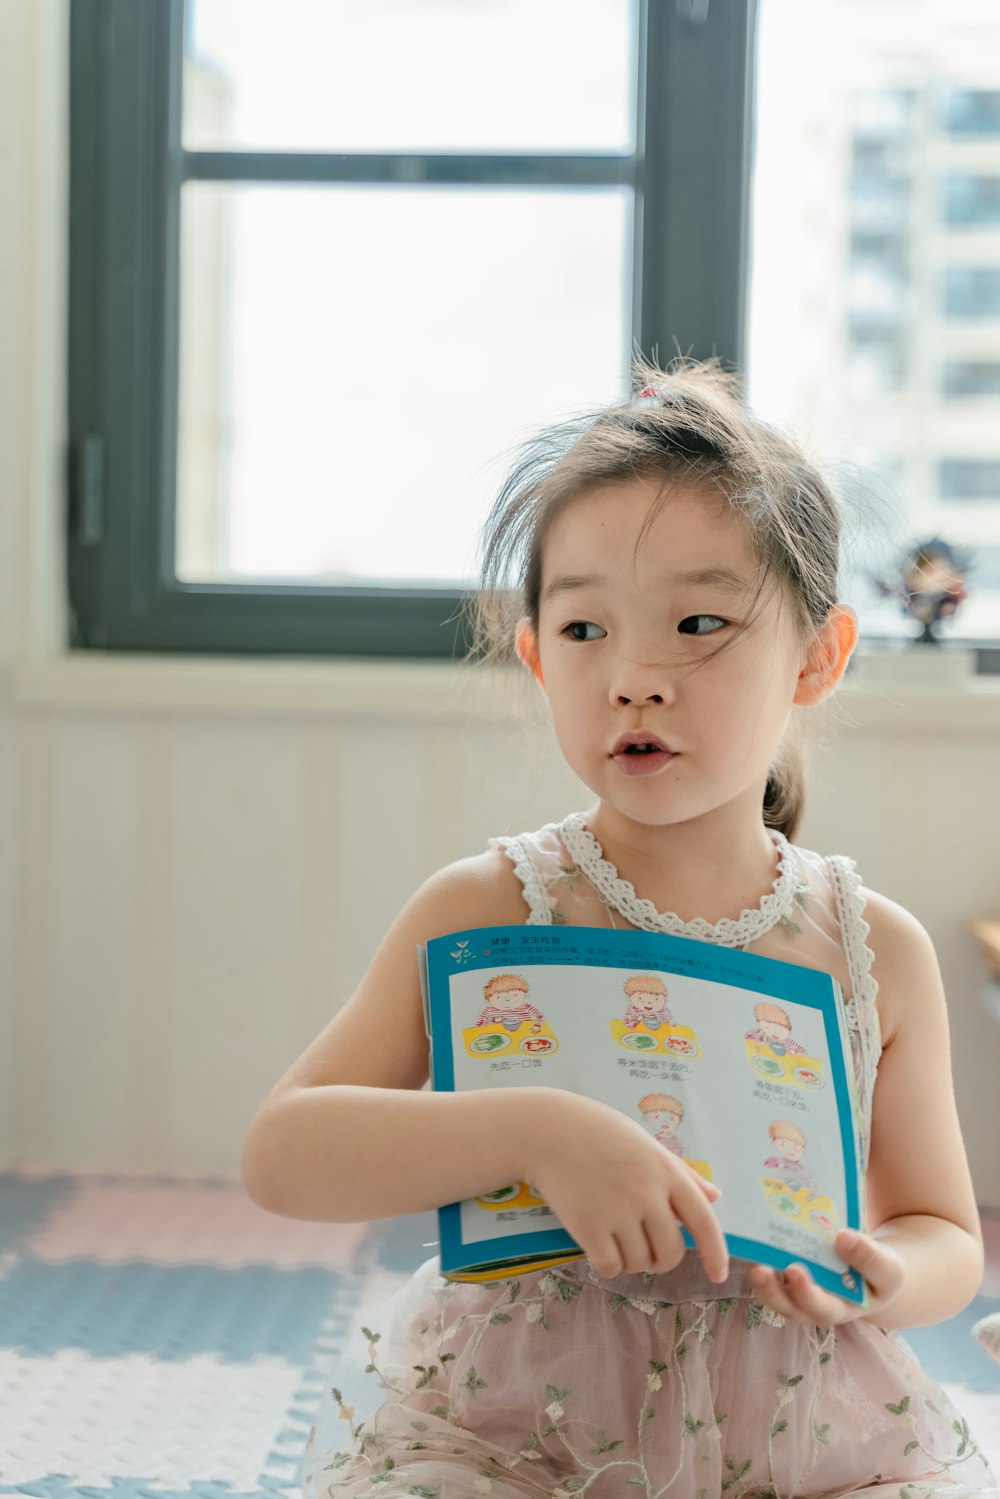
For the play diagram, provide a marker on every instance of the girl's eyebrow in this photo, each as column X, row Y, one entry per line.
column 719, row 577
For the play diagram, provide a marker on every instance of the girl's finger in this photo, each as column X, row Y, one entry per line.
column 808, row 1299
column 881, row 1267
column 768, row 1287
column 797, row 1300
column 711, row 1191
column 605, row 1257
column 694, row 1211
column 634, row 1248
column 665, row 1241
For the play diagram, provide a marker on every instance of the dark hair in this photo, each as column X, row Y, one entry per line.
column 688, row 423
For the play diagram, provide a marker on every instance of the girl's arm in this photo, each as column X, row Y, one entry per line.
column 921, row 1200
column 924, row 1248
column 347, row 1135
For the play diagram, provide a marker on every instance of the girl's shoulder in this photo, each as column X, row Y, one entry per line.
column 904, row 965
column 901, row 954
column 482, row 890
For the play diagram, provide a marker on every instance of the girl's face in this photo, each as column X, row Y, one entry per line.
column 625, row 641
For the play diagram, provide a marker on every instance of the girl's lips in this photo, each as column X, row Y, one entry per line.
column 645, row 764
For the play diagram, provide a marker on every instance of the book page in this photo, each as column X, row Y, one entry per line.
column 733, row 1062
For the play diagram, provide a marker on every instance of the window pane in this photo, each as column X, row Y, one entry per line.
column 974, row 111
column 972, row 377
column 357, row 366
column 973, row 200
column 409, row 75
column 969, row 479
column 875, row 285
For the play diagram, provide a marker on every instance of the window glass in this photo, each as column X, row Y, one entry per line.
column 973, row 200
column 409, row 75
column 969, row 479
column 359, row 364
column 972, row 377
column 875, row 284
column 973, row 111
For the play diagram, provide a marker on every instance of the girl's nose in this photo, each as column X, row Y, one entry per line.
column 635, row 683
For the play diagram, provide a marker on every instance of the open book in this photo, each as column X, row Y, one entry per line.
column 738, row 1064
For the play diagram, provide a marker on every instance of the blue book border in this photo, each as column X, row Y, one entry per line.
column 498, row 946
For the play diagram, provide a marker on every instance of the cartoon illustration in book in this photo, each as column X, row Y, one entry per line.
column 775, row 1029
column 665, row 1112
column 774, row 1055
column 790, row 1143
column 648, row 1024
column 647, row 1002
column 509, row 1021
column 789, row 1187
column 516, row 1195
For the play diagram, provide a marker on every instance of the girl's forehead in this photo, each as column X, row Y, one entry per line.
column 646, row 525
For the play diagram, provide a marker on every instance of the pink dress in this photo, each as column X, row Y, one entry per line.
column 561, row 1383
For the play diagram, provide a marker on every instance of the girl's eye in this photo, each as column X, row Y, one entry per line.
column 692, row 625
column 583, row 629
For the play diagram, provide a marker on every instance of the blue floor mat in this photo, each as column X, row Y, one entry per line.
column 164, row 1337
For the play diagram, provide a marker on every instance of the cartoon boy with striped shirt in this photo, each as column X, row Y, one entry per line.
column 647, row 1002
column 506, row 998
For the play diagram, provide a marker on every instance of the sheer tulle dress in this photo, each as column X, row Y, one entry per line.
column 561, row 1383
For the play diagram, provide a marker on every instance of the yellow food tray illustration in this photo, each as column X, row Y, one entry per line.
column 799, row 1205
column 517, row 1195
column 702, row 1168
column 675, row 1040
column 801, row 1072
column 498, row 1041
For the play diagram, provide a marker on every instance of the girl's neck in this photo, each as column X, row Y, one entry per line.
column 711, row 867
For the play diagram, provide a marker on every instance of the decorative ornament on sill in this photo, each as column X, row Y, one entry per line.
column 930, row 585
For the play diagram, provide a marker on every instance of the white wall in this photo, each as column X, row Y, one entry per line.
column 196, row 859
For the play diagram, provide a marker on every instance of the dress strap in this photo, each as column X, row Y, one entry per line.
column 532, row 885
column 862, row 1010
column 854, row 929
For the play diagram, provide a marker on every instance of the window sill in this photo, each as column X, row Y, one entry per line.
column 443, row 691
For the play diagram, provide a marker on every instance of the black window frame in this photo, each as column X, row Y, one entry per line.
column 690, row 172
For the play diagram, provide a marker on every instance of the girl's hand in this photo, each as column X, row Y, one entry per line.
column 619, row 1193
column 797, row 1296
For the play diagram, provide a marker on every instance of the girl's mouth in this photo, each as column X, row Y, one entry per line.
column 643, row 758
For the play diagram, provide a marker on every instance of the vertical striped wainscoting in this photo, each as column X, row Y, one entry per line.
column 192, row 895
column 194, row 899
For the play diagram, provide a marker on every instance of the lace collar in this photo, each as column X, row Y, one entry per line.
column 620, row 895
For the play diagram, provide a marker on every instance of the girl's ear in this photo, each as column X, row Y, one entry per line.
column 526, row 645
column 828, row 656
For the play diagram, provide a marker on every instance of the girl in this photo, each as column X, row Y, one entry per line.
column 676, row 567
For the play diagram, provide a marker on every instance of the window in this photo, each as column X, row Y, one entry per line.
column 972, row 378
column 972, row 291
column 973, row 200
column 973, row 111
column 331, row 261
column 969, row 479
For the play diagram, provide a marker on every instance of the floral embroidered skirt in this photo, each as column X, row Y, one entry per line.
column 561, row 1384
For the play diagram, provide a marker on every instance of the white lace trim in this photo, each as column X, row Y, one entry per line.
column 537, row 898
column 727, row 932
column 861, row 1008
